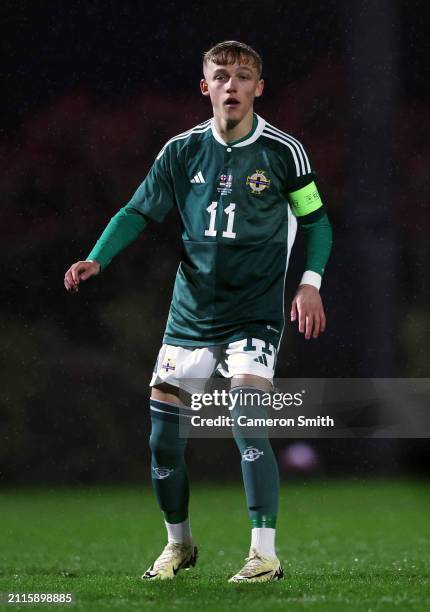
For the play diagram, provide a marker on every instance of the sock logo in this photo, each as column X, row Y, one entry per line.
column 251, row 453
column 161, row 472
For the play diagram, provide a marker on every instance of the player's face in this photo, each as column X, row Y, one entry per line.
column 232, row 89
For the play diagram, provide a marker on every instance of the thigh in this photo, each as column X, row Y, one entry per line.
column 181, row 368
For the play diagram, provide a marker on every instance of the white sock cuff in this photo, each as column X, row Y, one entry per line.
column 263, row 539
column 179, row 532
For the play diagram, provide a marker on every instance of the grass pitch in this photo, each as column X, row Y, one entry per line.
column 344, row 546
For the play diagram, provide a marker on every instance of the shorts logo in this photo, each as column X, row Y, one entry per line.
column 168, row 365
column 161, row 472
column 252, row 454
column 262, row 359
column 258, row 182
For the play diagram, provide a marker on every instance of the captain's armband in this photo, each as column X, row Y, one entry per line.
column 305, row 200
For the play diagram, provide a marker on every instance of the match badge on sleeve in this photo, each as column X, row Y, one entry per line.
column 258, row 182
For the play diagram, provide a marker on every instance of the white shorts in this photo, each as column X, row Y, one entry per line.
column 190, row 368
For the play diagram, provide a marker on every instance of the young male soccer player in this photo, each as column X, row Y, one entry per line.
column 241, row 186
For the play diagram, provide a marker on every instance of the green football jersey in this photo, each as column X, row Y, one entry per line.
column 237, row 227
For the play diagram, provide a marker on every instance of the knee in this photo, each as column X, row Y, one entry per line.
column 164, row 447
column 249, row 412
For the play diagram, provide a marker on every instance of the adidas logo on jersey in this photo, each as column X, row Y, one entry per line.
column 198, row 178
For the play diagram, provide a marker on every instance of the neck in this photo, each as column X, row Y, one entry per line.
column 234, row 130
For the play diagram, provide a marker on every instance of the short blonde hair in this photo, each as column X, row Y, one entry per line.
column 232, row 51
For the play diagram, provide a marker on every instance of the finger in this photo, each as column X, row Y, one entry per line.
column 302, row 319
column 70, row 286
column 75, row 271
column 323, row 320
column 309, row 325
column 68, row 281
column 317, row 325
column 293, row 310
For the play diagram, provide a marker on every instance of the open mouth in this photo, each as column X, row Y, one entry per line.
column 231, row 102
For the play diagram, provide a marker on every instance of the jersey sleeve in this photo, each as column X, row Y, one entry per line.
column 121, row 231
column 300, row 185
column 307, row 207
column 300, row 171
column 155, row 195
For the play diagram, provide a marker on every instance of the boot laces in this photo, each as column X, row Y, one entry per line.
column 252, row 563
column 166, row 556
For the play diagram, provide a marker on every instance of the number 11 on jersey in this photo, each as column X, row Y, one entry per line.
column 229, row 211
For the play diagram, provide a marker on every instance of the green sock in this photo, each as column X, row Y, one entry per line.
column 259, row 466
column 168, row 470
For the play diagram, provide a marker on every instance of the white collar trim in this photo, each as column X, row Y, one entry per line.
column 260, row 127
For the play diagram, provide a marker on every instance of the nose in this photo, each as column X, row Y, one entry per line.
column 231, row 85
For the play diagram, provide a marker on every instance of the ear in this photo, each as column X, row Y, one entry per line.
column 204, row 88
column 259, row 88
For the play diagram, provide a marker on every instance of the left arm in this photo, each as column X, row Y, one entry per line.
column 307, row 305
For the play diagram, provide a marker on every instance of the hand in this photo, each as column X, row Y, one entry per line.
column 307, row 306
column 81, row 270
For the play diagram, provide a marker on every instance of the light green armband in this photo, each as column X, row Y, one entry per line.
column 305, row 200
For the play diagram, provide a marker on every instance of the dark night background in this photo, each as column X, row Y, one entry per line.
column 90, row 92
